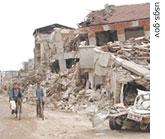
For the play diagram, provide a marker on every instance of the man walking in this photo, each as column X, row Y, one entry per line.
column 40, row 94
column 14, row 94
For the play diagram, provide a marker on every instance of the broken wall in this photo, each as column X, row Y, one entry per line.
column 122, row 68
column 41, row 50
column 86, row 54
column 59, row 37
column 49, row 48
column 119, row 27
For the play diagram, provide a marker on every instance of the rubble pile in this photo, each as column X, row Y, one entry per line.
column 96, row 17
column 134, row 49
column 72, row 42
column 65, row 91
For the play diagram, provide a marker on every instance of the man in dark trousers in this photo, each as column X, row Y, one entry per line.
column 39, row 95
column 15, row 93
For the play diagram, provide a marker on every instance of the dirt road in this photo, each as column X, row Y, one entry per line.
column 57, row 125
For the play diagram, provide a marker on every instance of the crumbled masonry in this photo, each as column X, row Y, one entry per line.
column 66, row 90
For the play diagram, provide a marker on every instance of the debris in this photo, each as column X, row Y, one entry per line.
column 99, row 118
column 65, row 93
column 134, row 49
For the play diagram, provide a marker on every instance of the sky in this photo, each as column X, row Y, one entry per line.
column 19, row 18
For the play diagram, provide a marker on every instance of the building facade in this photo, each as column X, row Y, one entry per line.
column 117, row 23
column 49, row 47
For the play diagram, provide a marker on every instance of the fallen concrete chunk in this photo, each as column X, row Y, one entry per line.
column 133, row 67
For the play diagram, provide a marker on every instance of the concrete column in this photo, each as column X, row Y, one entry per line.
column 121, row 37
column 60, row 50
column 92, row 38
column 91, row 79
column 62, row 62
column 42, row 53
column 113, row 85
column 35, row 58
column 121, row 94
column 118, row 91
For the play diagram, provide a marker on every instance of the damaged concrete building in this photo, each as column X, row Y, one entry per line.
column 126, row 68
column 108, row 55
column 8, row 77
column 28, row 66
column 117, row 23
column 121, row 67
column 49, row 47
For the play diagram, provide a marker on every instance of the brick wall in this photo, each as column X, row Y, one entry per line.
column 145, row 23
column 120, row 27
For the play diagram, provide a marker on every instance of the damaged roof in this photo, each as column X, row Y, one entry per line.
column 49, row 29
column 113, row 14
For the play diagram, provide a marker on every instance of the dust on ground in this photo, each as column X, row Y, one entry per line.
column 57, row 125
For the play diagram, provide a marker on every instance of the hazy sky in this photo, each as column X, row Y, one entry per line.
column 19, row 18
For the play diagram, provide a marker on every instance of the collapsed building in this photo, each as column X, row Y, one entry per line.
column 49, row 51
column 117, row 23
column 105, row 61
column 104, row 76
column 128, row 68
column 121, row 67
